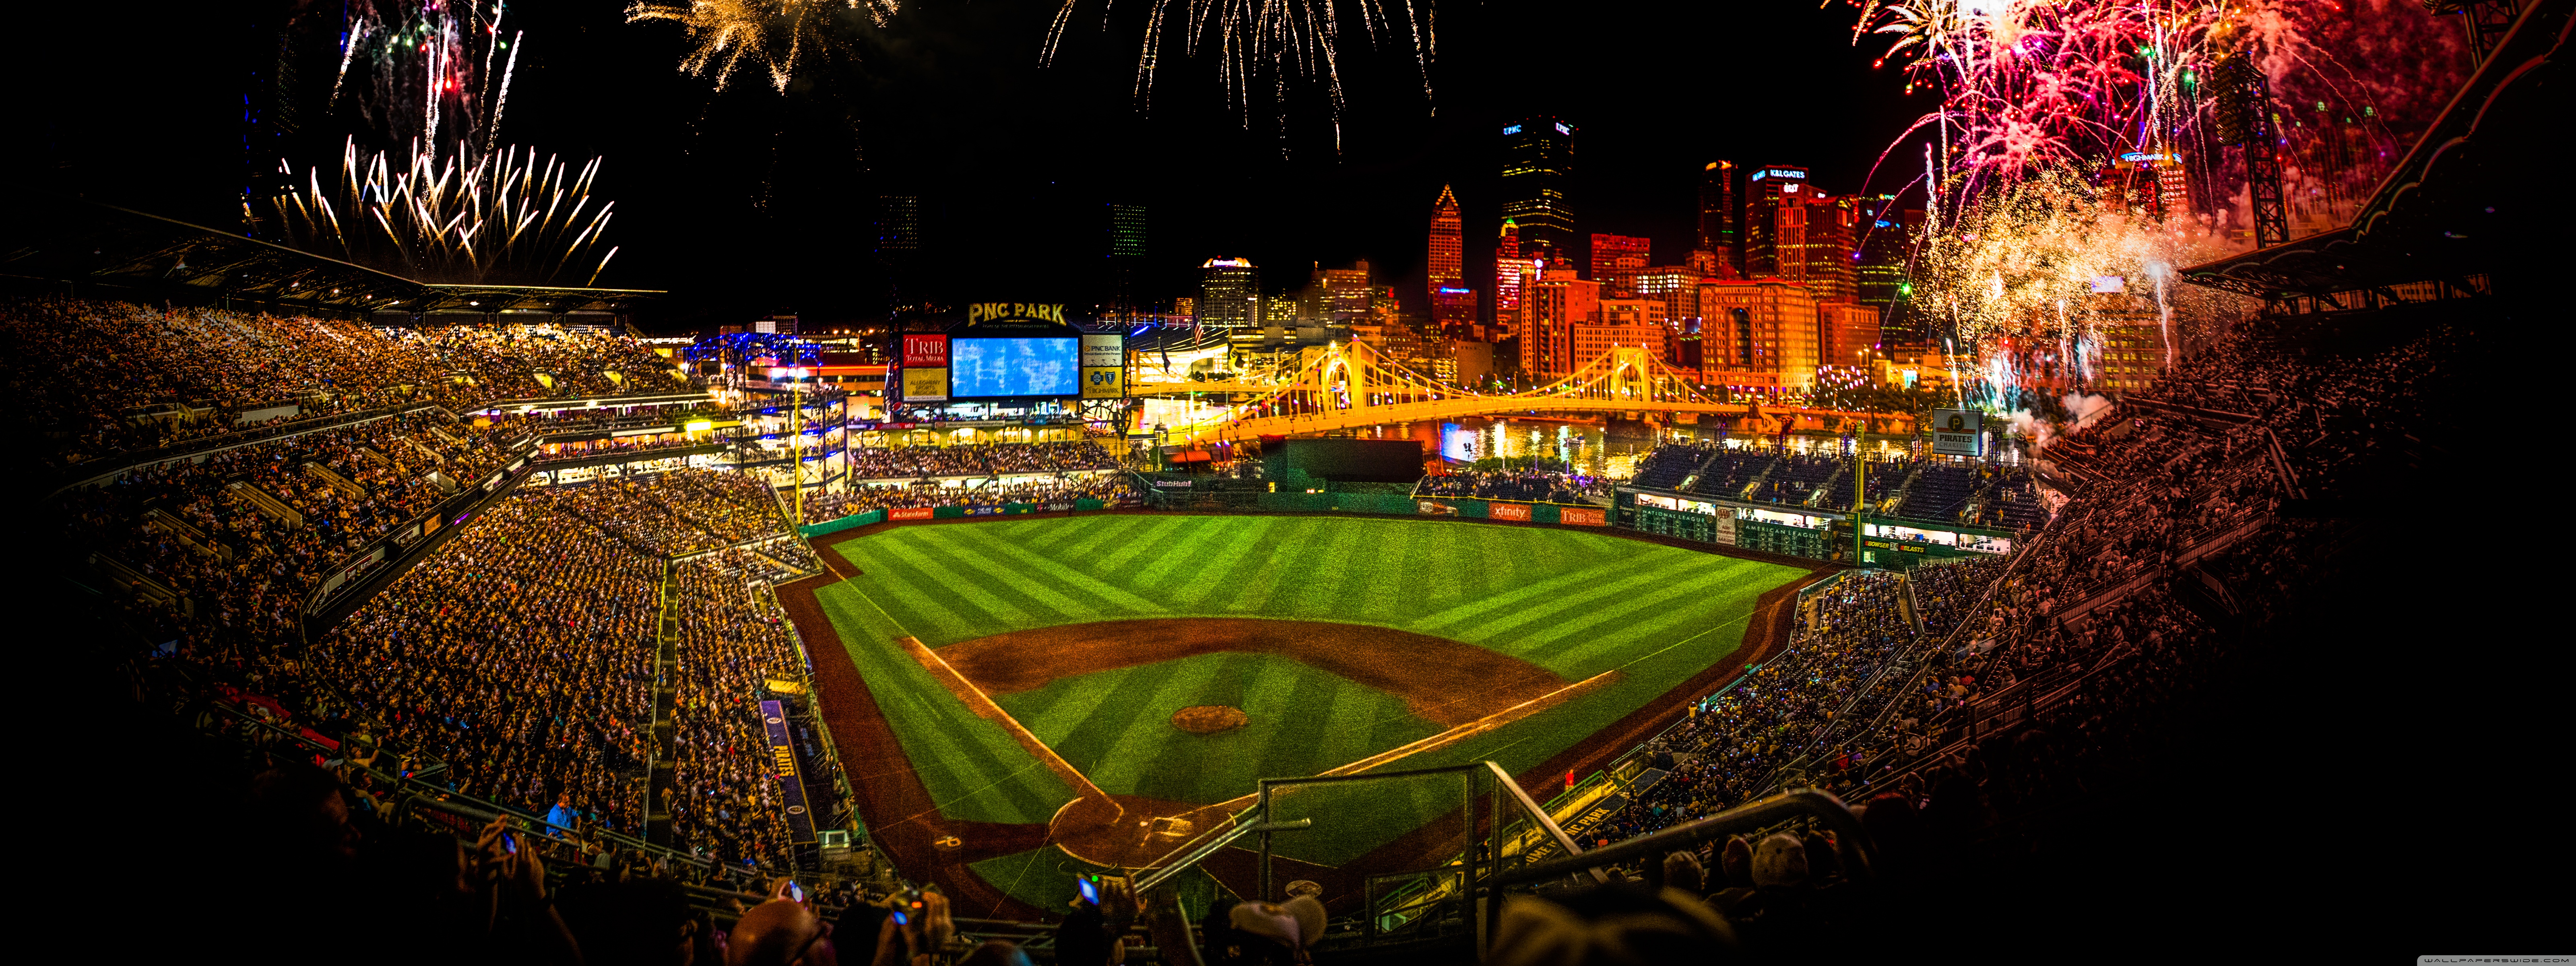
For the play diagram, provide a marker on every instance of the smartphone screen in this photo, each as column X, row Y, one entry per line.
column 510, row 842
column 900, row 919
column 1090, row 892
column 796, row 892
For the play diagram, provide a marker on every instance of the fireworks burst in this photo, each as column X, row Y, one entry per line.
column 466, row 217
column 2031, row 264
column 1265, row 41
column 2037, row 85
column 773, row 35
column 429, row 69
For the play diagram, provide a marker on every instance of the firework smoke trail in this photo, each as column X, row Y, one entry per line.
column 457, row 217
column 773, row 35
column 1273, row 40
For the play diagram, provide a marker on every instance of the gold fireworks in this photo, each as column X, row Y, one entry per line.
column 507, row 217
column 1262, row 42
column 2025, row 260
column 772, row 35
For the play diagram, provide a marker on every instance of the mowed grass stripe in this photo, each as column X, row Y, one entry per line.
column 1729, row 597
column 1504, row 600
column 1213, row 561
column 1500, row 625
column 1625, row 626
column 1192, row 550
column 947, row 581
column 1384, row 597
column 1713, row 583
column 1249, row 587
column 1095, row 534
column 1112, row 564
column 1337, row 582
column 976, row 551
column 1039, row 567
column 911, row 596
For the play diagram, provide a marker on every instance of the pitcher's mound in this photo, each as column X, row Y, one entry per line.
column 1208, row 719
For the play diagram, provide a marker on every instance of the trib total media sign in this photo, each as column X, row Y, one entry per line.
column 925, row 367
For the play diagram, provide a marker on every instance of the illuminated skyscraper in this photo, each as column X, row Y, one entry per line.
column 1126, row 257
column 1229, row 295
column 1512, row 275
column 1538, row 165
column 1718, row 215
column 1558, row 302
column 1448, row 247
column 899, row 250
column 1772, row 188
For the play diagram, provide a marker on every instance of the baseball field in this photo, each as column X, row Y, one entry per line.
column 1010, row 667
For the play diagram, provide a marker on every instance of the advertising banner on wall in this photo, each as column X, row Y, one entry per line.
column 1509, row 511
column 924, row 367
column 1956, row 432
column 909, row 513
column 1104, row 366
column 1582, row 516
column 782, row 764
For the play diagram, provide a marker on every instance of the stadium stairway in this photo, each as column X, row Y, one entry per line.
column 661, row 781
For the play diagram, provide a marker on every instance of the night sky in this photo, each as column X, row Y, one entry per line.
column 748, row 201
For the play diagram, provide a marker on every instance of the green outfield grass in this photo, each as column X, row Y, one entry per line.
column 1576, row 603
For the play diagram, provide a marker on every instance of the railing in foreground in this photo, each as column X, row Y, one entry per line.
column 1851, row 845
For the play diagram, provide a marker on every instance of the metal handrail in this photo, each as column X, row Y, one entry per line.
column 1208, row 848
column 1850, row 842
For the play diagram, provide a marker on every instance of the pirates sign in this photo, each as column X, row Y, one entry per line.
column 1957, row 432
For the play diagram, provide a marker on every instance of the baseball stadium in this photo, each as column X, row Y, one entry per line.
column 2062, row 551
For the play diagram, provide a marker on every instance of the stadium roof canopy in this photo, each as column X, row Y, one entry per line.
column 89, row 244
column 2461, row 202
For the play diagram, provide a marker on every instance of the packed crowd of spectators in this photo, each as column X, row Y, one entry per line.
column 542, row 362
column 1732, row 748
column 101, row 378
column 1538, row 487
column 1112, row 489
column 644, row 445
column 244, row 536
column 679, row 511
column 978, row 459
column 732, row 641
column 521, row 655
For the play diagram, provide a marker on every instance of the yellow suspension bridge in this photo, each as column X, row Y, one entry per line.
column 1352, row 385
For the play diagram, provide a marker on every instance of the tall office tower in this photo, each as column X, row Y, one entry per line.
column 1613, row 254
column 1448, row 244
column 1832, row 250
column 1538, row 165
column 1558, row 302
column 1126, row 259
column 899, row 250
column 1229, row 295
column 1512, row 275
column 1337, row 294
column 1771, row 189
column 1718, row 215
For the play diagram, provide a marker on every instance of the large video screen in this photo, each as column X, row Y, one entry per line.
column 993, row 368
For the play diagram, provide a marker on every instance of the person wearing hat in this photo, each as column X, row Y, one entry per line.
column 1269, row 932
column 1306, row 904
